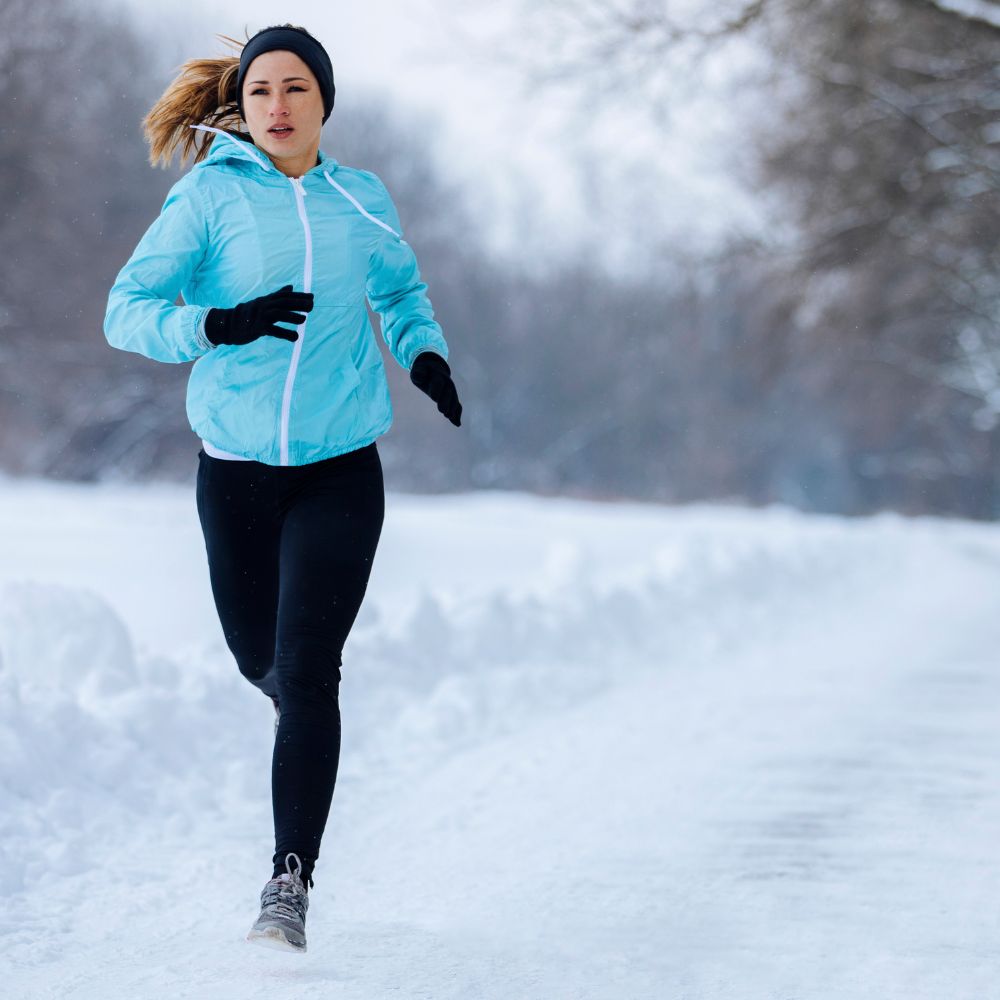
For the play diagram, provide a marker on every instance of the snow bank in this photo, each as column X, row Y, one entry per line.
column 97, row 734
column 571, row 732
column 93, row 736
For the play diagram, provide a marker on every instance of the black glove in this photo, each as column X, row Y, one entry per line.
column 257, row 318
column 430, row 373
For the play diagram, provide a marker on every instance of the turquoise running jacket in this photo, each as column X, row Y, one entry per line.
column 234, row 228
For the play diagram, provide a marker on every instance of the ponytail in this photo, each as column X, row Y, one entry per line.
column 203, row 92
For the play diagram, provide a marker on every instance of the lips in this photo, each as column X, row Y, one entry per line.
column 281, row 129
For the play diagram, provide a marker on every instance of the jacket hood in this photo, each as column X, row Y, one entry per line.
column 239, row 148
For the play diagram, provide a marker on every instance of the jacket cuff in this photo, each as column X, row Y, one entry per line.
column 201, row 340
column 443, row 355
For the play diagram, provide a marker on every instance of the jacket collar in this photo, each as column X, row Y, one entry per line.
column 234, row 146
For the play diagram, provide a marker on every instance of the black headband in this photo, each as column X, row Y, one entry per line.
column 304, row 46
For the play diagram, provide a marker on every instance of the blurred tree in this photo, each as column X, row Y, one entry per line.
column 69, row 169
column 880, row 155
column 891, row 162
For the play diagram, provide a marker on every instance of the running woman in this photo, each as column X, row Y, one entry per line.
column 275, row 248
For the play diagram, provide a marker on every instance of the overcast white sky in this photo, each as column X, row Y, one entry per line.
column 518, row 151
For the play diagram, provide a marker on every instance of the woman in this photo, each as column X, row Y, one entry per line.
column 266, row 230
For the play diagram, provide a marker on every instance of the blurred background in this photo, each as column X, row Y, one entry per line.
column 743, row 250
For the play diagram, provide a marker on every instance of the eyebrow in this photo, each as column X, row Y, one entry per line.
column 286, row 80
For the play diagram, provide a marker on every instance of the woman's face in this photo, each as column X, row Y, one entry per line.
column 279, row 90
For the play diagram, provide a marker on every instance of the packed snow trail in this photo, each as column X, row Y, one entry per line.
column 596, row 751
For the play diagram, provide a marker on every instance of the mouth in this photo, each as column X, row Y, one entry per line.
column 280, row 130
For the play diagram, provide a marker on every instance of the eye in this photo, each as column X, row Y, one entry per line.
column 261, row 90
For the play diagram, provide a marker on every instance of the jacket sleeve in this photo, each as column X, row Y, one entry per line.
column 141, row 314
column 397, row 294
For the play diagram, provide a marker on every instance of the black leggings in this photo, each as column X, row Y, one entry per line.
column 290, row 550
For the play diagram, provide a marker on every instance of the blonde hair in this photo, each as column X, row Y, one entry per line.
column 202, row 93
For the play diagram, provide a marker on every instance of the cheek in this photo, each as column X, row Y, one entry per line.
column 251, row 111
column 316, row 108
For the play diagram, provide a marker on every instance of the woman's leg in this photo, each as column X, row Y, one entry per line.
column 239, row 519
column 333, row 512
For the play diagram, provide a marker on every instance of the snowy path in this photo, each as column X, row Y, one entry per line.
column 700, row 753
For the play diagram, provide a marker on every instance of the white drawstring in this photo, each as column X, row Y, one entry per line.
column 357, row 204
column 239, row 142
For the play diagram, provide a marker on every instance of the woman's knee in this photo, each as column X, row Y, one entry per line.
column 254, row 654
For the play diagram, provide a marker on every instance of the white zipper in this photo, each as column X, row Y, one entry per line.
column 300, row 194
column 286, row 401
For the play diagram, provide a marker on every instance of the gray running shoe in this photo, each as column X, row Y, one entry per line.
column 283, row 905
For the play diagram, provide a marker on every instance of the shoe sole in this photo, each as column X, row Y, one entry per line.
column 272, row 937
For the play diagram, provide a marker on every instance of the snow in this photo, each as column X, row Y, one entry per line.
column 591, row 750
column 987, row 11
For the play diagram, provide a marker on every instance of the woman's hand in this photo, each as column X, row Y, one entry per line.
column 257, row 318
column 430, row 373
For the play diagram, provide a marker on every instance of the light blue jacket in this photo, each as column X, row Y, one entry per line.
column 234, row 228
